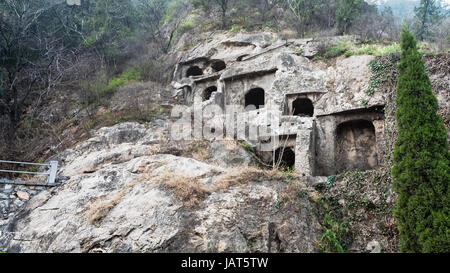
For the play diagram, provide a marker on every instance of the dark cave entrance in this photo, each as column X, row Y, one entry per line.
column 218, row 65
column 208, row 92
column 194, row 71
column 255, row 97
column 287, row 157
column 356, row 146
column 303, row 107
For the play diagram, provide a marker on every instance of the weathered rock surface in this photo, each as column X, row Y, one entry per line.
column 123, row 197
column 226, row 154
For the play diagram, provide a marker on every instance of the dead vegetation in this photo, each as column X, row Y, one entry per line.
column 100, row 208
column 197, row 149
column 188, row 189
column 239, row 176
column 193, row 190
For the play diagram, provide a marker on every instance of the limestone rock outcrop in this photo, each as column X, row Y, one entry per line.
column 131, row 188
column 121, row 196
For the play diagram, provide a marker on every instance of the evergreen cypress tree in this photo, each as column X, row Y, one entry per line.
column 421, row 158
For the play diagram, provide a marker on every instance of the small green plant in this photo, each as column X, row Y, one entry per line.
column 365, row 103
column 121, row 119
column 278, row 204
column 247, row 146
column 235, row 29
column 288, row 170
column 333, row 236
column 319, row 58
column 378, row 75
column 298, row 51
column 269, row 25
column 334, row 51
column 164, row 110
column 330, row 182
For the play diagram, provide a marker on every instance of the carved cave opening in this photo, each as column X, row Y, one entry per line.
column 255, row 97
column 287, row 157
column 356, row 146
column 194, row 71
column 302, row 107
column 208, row 92
column 218, row 65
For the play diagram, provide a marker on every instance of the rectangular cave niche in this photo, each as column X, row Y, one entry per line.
column 302, row 107
column 356, row 146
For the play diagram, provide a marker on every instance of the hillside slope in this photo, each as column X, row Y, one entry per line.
column 129, row 188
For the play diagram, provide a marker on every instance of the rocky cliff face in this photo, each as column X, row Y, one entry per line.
column 130, row 188
column 122, row 196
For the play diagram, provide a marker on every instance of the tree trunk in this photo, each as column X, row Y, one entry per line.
column 224, row 23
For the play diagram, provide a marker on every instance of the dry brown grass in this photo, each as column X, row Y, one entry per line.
column 238, row 176
column 201, row 155
column 188, row 189
column 242, row 175
column 231, row 144
column 199, row 150
column 98, row 209
column 192, row 191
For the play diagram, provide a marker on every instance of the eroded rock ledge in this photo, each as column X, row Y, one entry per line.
column 122, row 196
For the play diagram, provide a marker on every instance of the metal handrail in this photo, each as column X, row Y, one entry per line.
column 24, row 172
column 51, row 174
column 25, row 163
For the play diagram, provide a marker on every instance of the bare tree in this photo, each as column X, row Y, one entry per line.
column 376, row 25
column 440, row 33
column 222, row 5
column 32, row 57
column 427, row 13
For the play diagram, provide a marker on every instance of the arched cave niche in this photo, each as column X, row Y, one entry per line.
column 218, row 65
column 208, row 92
column 356, row 146
column 303, row 107
column 194, row 71
column 287, row 157
column 255, row 97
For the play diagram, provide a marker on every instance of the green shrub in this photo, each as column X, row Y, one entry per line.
column 334, row 51
column 333, row 237
column 123, row 118
column 298, row 51
column 235, row 29
column 421, row 169
column 187, row 26
column 374, row 49
column 99, row 89
column 389, row 50
column 378, row 75
column 95, row 90
column 131, row 74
